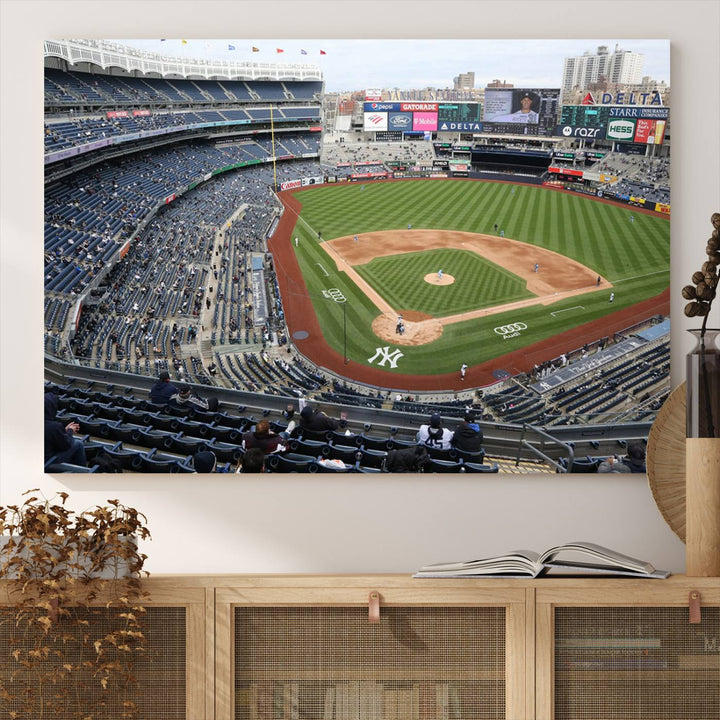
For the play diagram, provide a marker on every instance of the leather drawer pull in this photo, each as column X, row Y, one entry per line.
column 694, row 603
column 374, row 607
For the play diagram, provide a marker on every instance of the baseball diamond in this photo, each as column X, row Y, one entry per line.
column 454, row 280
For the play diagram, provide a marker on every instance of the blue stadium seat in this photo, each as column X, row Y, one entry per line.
column 474, row 457
column 347, row 453
column 316, row 448
column 375, row 443
column 433, row 465
column 225, row 452
column 291, row 463
column 52, row 466
column 155, row 463
column 586, row 465
column 471, row 467
column 372, row 458
column 323, row 435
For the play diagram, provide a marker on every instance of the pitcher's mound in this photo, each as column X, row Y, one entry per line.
column 433, row 279
column 419, row 328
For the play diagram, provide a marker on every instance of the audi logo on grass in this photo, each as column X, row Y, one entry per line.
column 510, row 331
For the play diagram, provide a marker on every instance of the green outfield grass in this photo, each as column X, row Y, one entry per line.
column 633, row 255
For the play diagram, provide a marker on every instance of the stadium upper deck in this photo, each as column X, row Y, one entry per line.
column 106, row 55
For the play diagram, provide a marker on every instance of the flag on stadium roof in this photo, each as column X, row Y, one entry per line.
column 303, row 52
column 322, row 52
column 279, row 50
column 163, row 39
column 231, row 47
column 184, row 42
column 255, row 49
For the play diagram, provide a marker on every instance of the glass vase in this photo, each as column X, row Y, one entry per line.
column 703, row 385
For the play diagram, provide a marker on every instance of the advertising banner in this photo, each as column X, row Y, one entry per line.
column 373, row 94
column 662, row 208
column 590, row 133
column 623, row 130
column 659, row 131
column 290, row 184
column 375, row 121
column 381, row 107
column 645, row 131
column 460, row 126
column 565, row 171
column 419, row 107
column 650, row 132
column 117, row 113
column 425, row 121
column 400, row 121
column 312, row 181
column 624, row 111
column 141, row 113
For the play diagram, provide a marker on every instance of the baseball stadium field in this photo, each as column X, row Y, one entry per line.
column 397, row 284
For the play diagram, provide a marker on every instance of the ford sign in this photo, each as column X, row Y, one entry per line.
column 400, row 121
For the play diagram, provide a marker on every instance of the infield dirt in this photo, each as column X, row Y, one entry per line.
column 557, row 277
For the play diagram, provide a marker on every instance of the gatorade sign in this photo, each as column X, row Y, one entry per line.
column 621, row 130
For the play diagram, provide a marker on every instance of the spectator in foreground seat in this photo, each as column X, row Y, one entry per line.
column 205, row 462
column 262, row 437
column 253, row 461
column 434, row 435
column 633, row 462
column 163, row 389
column 468, row 436
column 317, row 420
column 59, row 439
column 189, row 399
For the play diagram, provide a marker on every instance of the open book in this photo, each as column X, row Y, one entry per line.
column 574, row 558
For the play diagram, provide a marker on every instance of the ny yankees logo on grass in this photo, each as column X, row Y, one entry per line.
column 386, row 356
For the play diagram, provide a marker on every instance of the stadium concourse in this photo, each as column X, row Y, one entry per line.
column 156, row 259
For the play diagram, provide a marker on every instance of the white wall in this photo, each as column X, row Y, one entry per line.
column 355, row 523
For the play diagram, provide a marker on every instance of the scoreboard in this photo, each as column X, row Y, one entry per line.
column 459, row 112
column 521, row 111
column 624, row 123
column 585, row 115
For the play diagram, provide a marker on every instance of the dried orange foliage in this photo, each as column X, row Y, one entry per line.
column 73, row 614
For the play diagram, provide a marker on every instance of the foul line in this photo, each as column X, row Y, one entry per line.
column 327, row 274
column 575, row 307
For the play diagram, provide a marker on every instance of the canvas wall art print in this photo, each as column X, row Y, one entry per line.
column 266, row 256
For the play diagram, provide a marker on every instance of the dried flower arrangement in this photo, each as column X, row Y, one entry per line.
column 702, row 293
column 70, row 610
column 703, row 363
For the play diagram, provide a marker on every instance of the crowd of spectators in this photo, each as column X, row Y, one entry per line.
column 374, row 155
column 638, row 176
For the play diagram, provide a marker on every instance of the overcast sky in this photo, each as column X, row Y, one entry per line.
column 406, row 64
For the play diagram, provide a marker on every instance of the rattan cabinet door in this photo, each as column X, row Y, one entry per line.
column 324, row 660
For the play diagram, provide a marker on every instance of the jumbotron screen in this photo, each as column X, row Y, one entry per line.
column 521, row 111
